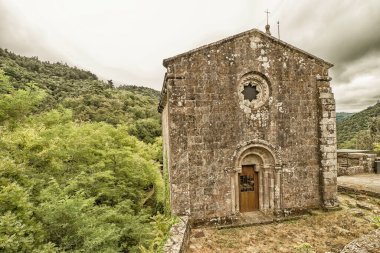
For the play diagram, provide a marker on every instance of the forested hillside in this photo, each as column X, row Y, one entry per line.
column 89, row 98
column 343, row 115
column 79, row 162
column 360, row 130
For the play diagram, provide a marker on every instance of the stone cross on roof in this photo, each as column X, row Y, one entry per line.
column 267, row 12
column 267, row 27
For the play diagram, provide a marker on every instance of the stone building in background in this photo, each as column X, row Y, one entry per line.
column 352, row 162
column 248, row 125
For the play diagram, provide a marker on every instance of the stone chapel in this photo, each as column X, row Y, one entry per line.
column 248, row 125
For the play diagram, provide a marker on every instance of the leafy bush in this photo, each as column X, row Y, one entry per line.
column 72, row 179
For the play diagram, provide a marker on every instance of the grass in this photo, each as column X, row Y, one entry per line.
column 320, row 232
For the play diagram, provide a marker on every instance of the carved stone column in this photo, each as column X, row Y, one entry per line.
column 271, row 190
column 234, row 186
column 266, row 189
column 277, row 188
column 261, row 189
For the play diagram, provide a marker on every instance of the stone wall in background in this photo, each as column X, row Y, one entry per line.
column 355, row 163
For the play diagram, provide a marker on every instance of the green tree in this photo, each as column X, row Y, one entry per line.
column 15, row 104
column 19, row 230
column 79, row 162
column 146, row 130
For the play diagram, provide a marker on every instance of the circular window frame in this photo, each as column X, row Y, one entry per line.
column 262, row 86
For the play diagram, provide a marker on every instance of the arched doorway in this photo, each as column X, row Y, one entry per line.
column 256, row 181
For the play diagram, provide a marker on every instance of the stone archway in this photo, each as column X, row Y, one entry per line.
column 267, row 164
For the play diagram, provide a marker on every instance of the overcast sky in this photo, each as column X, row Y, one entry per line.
column 126, row 40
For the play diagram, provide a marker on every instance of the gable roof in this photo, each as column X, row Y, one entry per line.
column 249, row 32
column 167, row 61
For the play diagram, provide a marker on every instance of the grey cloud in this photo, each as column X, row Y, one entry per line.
column 361, row 92
column 21, row 40
column 339, row 30
column 342, row 32
column 346, row 34
column 366, row 65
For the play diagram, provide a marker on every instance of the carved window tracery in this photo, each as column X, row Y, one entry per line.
column 250, row 92
column 253, row 91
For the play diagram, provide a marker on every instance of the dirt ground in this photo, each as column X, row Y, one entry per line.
column 320, row 232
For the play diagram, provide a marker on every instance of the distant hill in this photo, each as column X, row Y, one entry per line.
column 343, row 115
column 350, row 126
column 89, row 98
column 141, row 90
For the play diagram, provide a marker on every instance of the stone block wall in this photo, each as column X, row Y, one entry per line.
column 355, row 163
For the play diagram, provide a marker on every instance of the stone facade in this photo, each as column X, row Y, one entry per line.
column 351, row 163
column 211, row 129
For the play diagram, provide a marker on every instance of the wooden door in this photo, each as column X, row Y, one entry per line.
column 249, row 189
